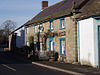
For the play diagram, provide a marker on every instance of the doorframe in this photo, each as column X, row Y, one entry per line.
column 51, row 39
column 98, row 48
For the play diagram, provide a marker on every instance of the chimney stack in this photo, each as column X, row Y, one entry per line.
column 44, row 4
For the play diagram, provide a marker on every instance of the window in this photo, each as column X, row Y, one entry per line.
column 40, row 28
column 27, row 43
column 51, row 45
column 62, row 23
column 62, row 46
column 35, row 29
column 40, row 47
column 51, row 26
column 27, row 30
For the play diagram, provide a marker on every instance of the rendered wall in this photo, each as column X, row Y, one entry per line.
column 88, row 41
column 20, row 37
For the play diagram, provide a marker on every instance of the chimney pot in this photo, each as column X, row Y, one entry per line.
column 44, row 4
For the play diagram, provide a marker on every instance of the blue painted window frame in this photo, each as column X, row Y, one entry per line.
column 51, row 39
column 61, row 19
column 61, row 46
column 98, row 23
column 50, row 25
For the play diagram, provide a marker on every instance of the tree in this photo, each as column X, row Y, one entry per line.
column 8, row 27
column 2, row 37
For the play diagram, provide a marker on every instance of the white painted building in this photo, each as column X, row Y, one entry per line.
column 20, row 37
column 17, row 38
column 88, row 41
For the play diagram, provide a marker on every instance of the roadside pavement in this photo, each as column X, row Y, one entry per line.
column 66, row 67
column 74, row 69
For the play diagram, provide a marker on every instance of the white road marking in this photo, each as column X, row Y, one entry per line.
column 58, row 69
column 9, row 67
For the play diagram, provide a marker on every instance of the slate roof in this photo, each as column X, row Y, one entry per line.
column 91, row 8
column 61, row 8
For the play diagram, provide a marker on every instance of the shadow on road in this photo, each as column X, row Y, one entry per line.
column 7, row 57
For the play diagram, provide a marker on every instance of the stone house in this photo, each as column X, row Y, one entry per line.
column 55, row 29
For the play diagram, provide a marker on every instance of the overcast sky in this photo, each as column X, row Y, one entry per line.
column 20, row 11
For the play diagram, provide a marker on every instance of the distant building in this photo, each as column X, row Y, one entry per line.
column 17, row 38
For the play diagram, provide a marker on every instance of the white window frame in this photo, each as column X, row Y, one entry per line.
column 52, row 25
column 63, row 46
column 35, row 29
column 41, row 47
column 27, row 30
column 63, row 23
column 40, row 29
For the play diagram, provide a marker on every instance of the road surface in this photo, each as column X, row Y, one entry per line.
column 12, row 65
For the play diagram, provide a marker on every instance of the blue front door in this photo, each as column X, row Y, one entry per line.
column 99, row 46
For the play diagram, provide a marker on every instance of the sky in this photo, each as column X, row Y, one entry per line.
column 20, row 11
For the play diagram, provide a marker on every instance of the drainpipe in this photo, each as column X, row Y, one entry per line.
column 75, row 25
column 78, row 34
column 38, row 43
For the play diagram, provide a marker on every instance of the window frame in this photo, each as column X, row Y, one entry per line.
column 51, row 39
column 62, row 21
column 27, row 30
column 51, row 22
column 27, row 43
column 35, row 28
column 40, row 25
column 62, row 39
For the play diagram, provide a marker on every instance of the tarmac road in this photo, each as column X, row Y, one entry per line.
column 10, row 65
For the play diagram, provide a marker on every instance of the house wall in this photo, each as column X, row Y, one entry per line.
column 71, row 53
column 71, row 40
column 88, row 42
column 12, row 41
column 17, row 39
column 30, row 33
column 95, row 42
column 20, row 37
column 10, row 38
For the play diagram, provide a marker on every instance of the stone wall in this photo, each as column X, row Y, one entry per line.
column 31, row 33
column 71, row 37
